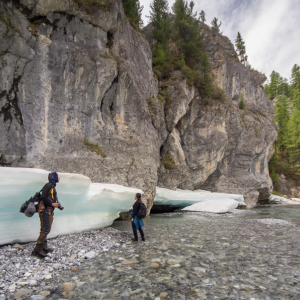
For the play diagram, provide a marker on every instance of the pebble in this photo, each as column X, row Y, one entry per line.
column 37, row 297
column 185, row 256
column 22, row 293
column 67, row 287
column 90, row 255
column 44, row 293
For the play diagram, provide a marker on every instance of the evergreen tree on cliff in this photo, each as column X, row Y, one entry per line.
column 202, row 16
column 133, row 11
column 159, row 19
column 187, row 37
column 241, row 49
column 286, row 159
column 215, row 25
column 282, row 118
column 186, row 33
column 277, row 86
column 295, row 78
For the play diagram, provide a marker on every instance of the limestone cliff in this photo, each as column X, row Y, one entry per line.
column 77, row 94
column 217, row 146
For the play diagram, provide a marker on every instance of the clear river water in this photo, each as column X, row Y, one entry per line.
column 250, row 254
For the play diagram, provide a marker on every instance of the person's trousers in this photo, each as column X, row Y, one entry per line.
column 135, row 231
column 46, row 220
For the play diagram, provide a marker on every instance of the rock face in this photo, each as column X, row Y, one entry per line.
column 77, row 94
column 218, row 146
column 67, row 77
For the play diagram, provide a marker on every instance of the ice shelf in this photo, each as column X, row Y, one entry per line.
column 278, row 198
column 87, row 205
column 184, row 198
column 220, row 206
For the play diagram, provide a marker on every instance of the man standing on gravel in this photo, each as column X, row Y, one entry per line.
column 46, row 212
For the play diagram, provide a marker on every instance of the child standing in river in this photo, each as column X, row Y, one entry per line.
column 136, row 222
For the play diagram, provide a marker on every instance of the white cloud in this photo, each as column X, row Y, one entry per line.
column 270, row 29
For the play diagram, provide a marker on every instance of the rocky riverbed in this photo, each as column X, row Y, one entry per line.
column 185, row 256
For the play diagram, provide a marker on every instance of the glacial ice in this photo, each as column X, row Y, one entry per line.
column 220, row 206
column 278, row 198
column 184, row 198
column 87, row 205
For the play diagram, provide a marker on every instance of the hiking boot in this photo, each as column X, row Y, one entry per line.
column 134, row 240
column 39, row 251
column 143, row 240
column 46, row 248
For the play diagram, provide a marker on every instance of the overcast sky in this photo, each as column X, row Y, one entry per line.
column 270, row 29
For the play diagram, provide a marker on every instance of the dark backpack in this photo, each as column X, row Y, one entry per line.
column 35, row 200
column 142, row 211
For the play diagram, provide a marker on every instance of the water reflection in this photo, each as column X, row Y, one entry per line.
column 284, row 212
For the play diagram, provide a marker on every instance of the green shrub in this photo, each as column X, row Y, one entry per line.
column 160, row 56
column 165, row 94
column 273, row 173
column 218, row 93
column 168, row 162
column 242, row 102
column 188, row 73
column 167, row 68
column 94, row 148
column 157, row 72
column 178, row 62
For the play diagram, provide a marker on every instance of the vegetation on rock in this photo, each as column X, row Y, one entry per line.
column 241, row 49
column 168, row 162
column 178, row 45
column 202, row 16
column 242, row 102
column 133, row 11
column 215, row 25
column 94, row 148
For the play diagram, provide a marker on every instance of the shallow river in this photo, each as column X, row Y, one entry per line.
column 190, row 256
column 246, row 255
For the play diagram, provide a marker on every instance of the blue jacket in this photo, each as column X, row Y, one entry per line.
column 138, row 222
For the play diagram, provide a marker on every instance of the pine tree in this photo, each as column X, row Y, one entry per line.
column 133, row 11
column 295, row 78
column 186, row 33
column 287, row 109
column 159, row 19
column 241, row 49
column 202, row 16
column 293, row 135
column 282, row 118
column 278, row 86
column 215, row 24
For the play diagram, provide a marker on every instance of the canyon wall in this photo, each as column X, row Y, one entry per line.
column 78, row 95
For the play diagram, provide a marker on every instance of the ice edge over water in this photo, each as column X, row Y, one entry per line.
column 87, row 205
column 183, row 198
